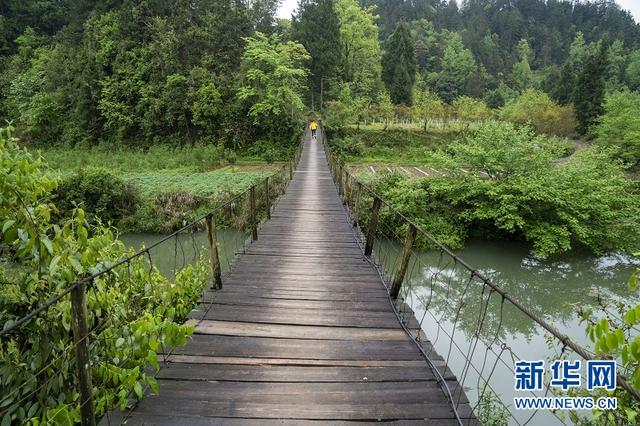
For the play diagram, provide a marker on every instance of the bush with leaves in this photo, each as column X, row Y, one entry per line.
column 414, row 199
column 133, row 312
column 619, row 127
column 273, row 82
column 515, row 188
column 541, row 112
column 426, row 105
column 612, row 328
column 471, row 110
column 100, row 193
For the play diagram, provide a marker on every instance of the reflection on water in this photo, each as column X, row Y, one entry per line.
column 490, row 333
column 174, row 254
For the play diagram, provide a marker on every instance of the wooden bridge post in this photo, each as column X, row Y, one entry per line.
column 340, row 182
column 404, row 262
column 356, row 202
column 373, row 226
column 79, row 326
column 267, row 199
column 252, row 217
column 347, row 188
column 290, row 169
column 213, row 252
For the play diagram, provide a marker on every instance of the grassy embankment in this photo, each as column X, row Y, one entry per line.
column 163, row 186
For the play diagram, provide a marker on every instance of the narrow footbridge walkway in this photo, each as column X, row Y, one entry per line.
column 302, row 333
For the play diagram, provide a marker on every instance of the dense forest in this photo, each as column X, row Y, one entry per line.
column 136, row 73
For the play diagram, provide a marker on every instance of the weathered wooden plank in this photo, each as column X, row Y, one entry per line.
column 251, row 329
column 172, row 420
column 304, row 281
column 238, row 299
column 300, row 293
column 274, row 315
column 306, row 362
column 293, row 374
column 298, row 348
column 303, row 410
column 322, row 393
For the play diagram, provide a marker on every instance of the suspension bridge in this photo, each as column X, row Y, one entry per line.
column 303, row 330
column 319, row 317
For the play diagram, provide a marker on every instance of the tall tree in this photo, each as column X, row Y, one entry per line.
column 632, row 73
column 317, row 27
column 565, row 87
column 458, row 70
column 361, row 48
column 426, row 105
column 590, row 89
column 264, row 13
column 399, row 65
column 273, row 82
column 522, row 74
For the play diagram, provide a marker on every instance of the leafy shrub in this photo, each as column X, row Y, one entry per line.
column 470, row 110
column 133, row 313
column 350, row 145
column 541, row 112
column 515, row 187
column 270, row 150
column 414, row 199
column 619, row 128
column 99, row 192
column 612, row 329
column 392, row 145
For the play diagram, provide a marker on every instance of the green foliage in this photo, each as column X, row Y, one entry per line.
column 133, row 313
column 399, row 65
column 633, row 71
column 471, row 110
column 590, row 89
column 491, row 411
column 198, row 184
column 360, row 47
column 515, row 188
column 415, row 200
column 129, row 73
column 426, row 105
column 147, row 188
column 619, row 127
column 317, row 27
column 198, row 157
column 273, row 82
column 99, row 192
column 564, row 89
column 385, row 108
column 612, row 329
column 458, row 70
column 540, row 111
column 522, row 74
column 347, row 109
column 392, row 146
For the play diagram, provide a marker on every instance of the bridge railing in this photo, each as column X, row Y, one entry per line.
column 468, row 317
column 229, row 227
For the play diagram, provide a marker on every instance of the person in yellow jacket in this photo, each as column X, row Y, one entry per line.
column 314, row 127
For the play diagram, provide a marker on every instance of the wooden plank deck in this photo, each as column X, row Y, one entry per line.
column 303, row 332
